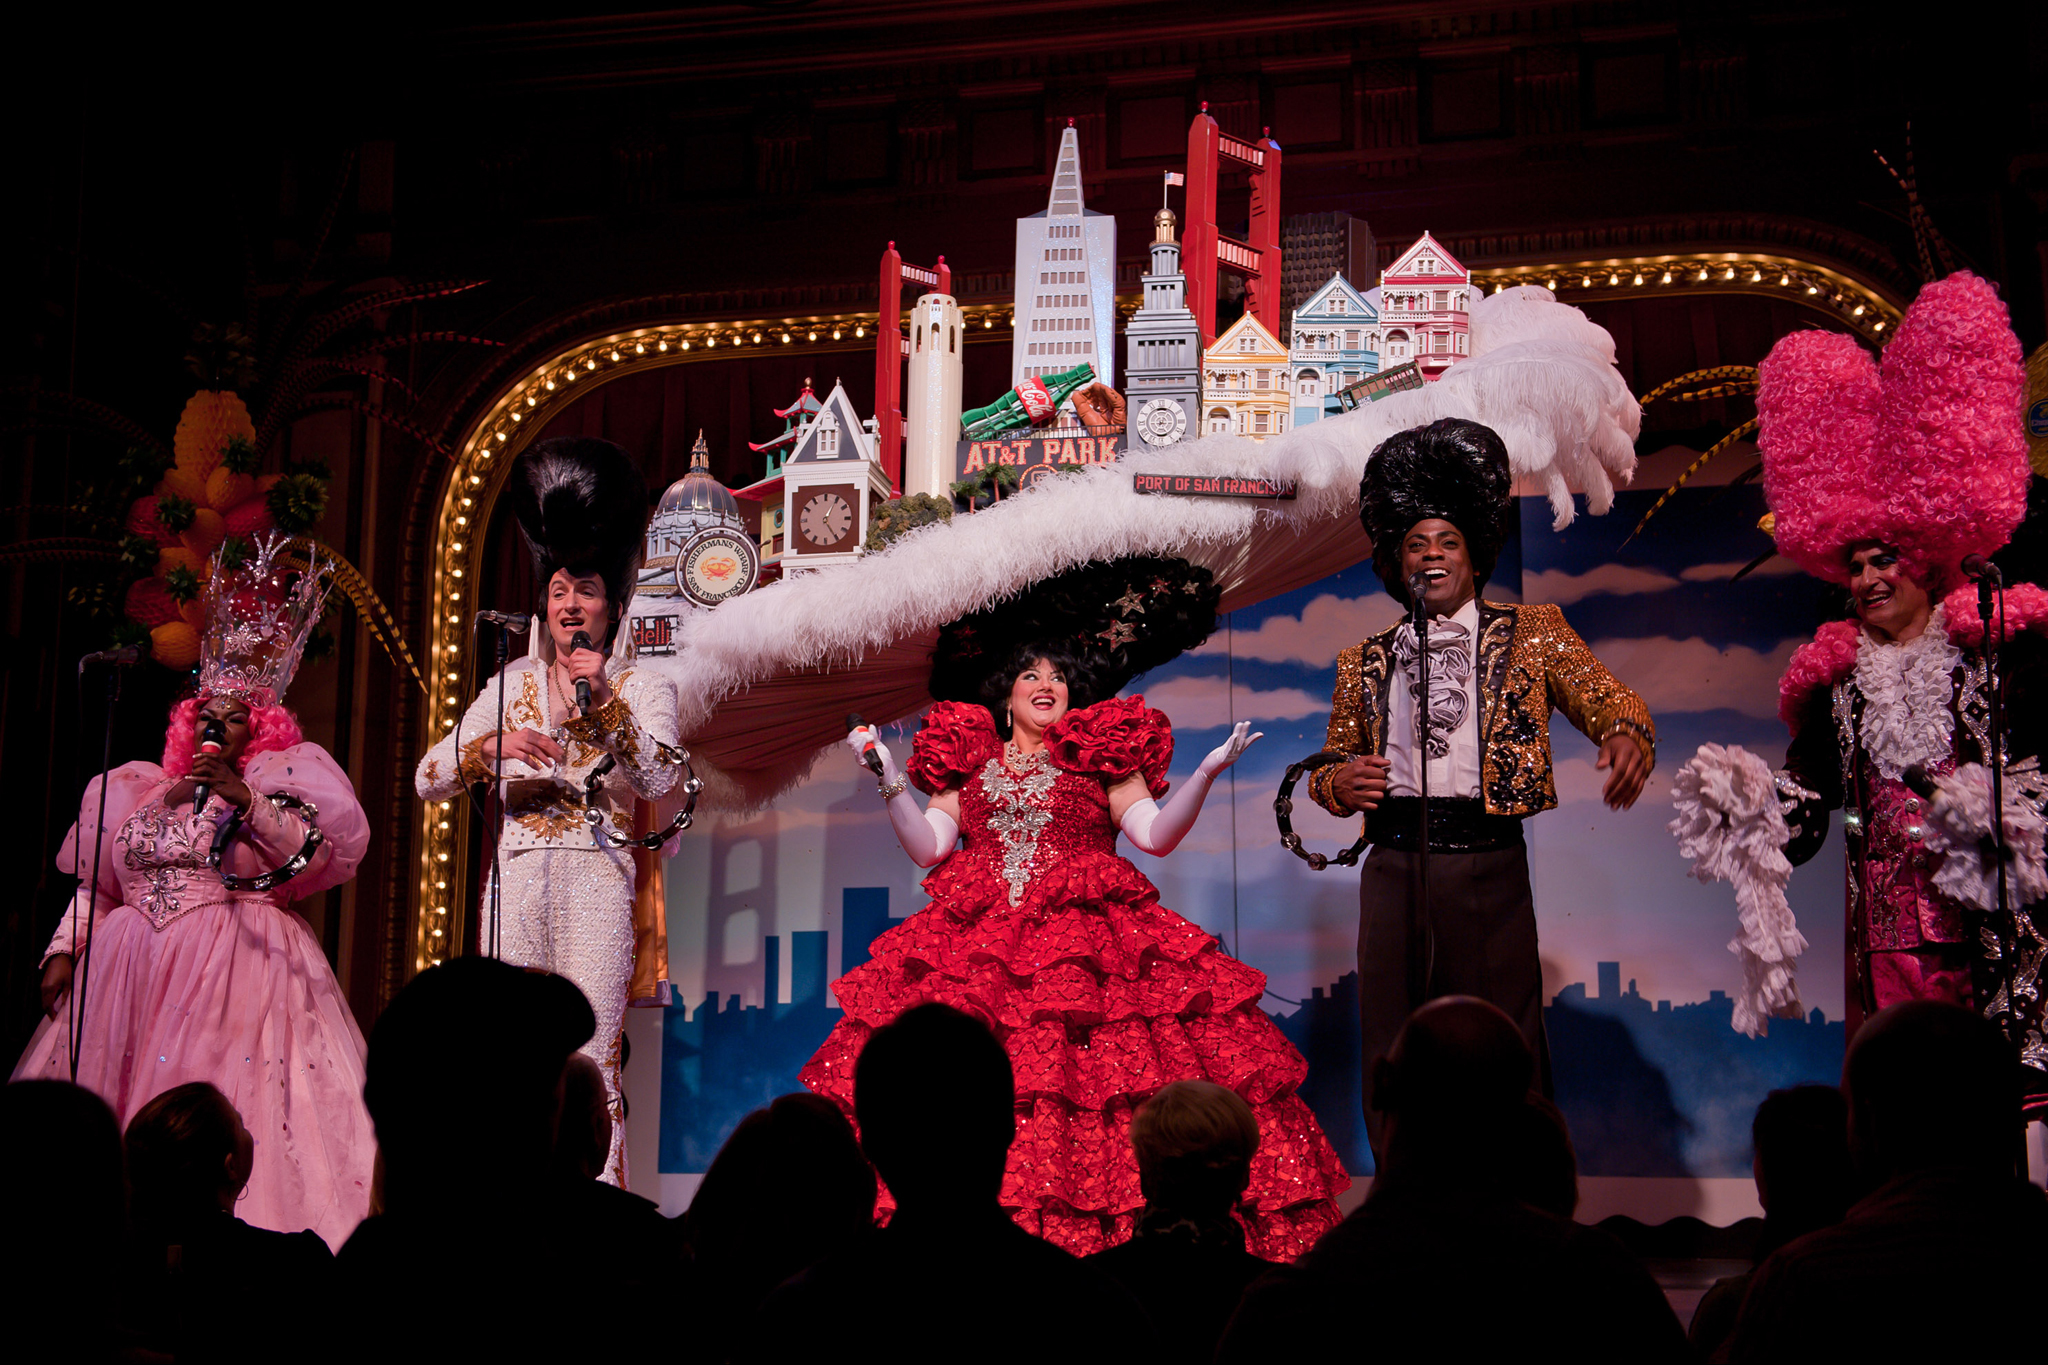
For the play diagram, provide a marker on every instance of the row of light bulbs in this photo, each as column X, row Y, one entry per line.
column 1751, row 273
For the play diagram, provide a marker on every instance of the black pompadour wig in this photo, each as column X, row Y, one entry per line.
column 582, row 504
column 1452, row 469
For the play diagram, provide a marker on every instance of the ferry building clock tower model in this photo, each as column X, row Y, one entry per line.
column 1162, row 373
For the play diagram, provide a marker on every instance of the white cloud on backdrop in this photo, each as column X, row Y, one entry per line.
column 1199, row 703
column 1327, row 624
column 1561, row 588
column 1777, row 566
column 1693, row 675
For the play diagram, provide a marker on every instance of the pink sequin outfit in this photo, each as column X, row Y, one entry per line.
column 1100, row 994
column 189, row 981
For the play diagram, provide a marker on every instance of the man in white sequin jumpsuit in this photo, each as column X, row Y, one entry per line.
column 566, row 900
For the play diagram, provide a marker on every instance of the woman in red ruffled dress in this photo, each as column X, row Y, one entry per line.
column 1100, row 994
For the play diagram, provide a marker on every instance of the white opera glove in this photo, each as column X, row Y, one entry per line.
column 927, row 835
column 1158, row 829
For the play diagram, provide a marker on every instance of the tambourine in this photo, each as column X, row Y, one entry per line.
column 692, row 784
column 277, row 876
column 1283, row 813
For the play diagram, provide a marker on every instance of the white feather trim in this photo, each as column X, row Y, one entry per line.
column 1959, row 823
column 1731, row 824
column 764, row 680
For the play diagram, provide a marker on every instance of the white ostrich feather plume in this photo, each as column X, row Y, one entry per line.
column 764, row 681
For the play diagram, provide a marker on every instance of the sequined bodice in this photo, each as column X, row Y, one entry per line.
column 1025, row 816
column 162, row 862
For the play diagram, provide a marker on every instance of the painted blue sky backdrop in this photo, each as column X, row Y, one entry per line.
column 1610, row 887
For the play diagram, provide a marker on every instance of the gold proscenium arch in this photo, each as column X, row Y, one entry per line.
column 1861, row 307
column 440, row 903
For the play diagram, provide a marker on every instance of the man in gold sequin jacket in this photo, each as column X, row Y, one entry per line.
column 1437, row 502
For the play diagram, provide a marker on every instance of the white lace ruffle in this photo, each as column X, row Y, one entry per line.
column 1959, row 820
column 1907, row 690
column 1732, row 825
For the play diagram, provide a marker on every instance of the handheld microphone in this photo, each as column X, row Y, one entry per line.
column 1918, row 781
column 125, row 657
column 867, row 750
column 212, row 735
column 581, row 640
column 1979, row 568
column 515, row 622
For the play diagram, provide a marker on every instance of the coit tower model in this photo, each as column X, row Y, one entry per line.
column 931, row 408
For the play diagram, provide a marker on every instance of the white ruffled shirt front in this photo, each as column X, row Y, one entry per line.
column 1907, row 690
column 1456, row 772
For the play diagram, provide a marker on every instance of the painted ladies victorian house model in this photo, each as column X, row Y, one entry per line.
column 1424, row 309
column 1244, row 383
column 1335, row 342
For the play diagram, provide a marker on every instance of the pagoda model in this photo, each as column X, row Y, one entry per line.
column 767, row 490
column 1163, row 371
column 793, row 418
column 1033, row 403
column 1425, row 301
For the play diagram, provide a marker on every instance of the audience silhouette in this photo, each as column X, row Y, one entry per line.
column 487, row 1246
column 1187, row 1265
column 65, row 1209
column 496, row 1239
column 1948, row 1253
column 935, row 1099
column 583, row 1140
column 789, row 1188
column 1542, row 1167
column 1803, row 1180
column 207, row 1286
column 1442, row 1260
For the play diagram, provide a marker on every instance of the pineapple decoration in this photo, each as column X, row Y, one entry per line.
column 210, row 497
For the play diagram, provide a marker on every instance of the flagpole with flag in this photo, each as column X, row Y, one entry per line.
column 1172, row 178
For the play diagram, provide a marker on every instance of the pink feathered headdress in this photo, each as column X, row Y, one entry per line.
column 1924, row 453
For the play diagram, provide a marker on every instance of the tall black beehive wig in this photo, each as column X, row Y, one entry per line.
column 1453, row 469
column 1114, row 619
column 583, row 506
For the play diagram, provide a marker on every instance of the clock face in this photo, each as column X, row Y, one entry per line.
column 1162, row 422
column 825, row 519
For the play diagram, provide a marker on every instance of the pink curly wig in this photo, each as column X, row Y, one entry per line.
column 1924, row 453
column 271, row 727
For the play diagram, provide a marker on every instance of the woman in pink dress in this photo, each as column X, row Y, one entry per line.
column 1039, row 928
column 187, row 974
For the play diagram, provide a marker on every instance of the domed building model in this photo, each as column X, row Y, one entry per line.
column 691, row 539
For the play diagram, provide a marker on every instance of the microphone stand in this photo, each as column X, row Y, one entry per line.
column 1989, row 583
column 83, row 956
column 2003, row 928
column 498, row 790
column 1420, row 947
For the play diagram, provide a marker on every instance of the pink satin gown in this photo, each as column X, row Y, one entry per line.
column 189, row 981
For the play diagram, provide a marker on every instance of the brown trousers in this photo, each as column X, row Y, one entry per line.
column 1483, row 921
